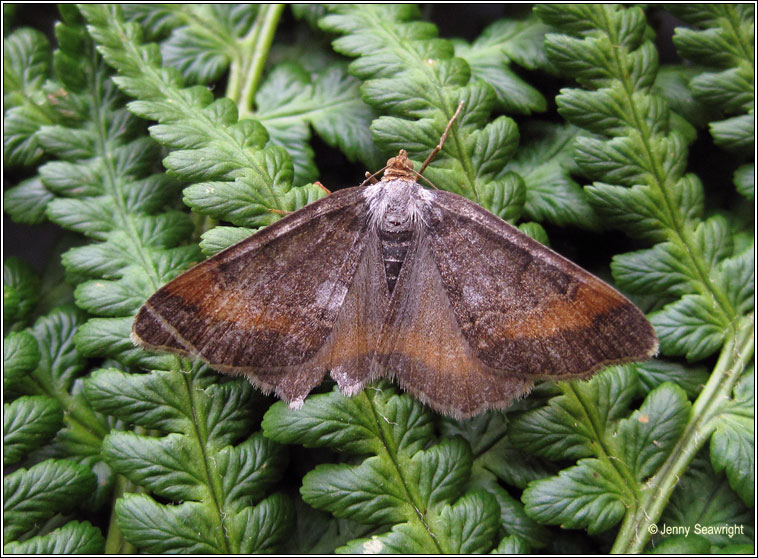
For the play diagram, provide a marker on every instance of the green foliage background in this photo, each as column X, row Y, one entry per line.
column 152, row 136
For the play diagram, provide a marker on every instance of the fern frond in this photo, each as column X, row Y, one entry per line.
column 724, row 41
column 638, row 160
column 236, row 176
column 104, row 186
column 414, row 77
column 221, row 486
column 415, row 491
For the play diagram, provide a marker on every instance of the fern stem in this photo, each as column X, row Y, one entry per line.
column 77, row 416
column 261, row 37
column 737, row 352
column 126, row 53
column 678, row 230
column 115, row 543
column 410, row 57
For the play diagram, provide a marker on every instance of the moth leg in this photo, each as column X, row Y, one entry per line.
column 324, row 188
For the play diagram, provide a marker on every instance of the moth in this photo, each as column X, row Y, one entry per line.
column 392, row 279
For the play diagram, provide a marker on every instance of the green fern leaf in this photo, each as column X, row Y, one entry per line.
column 36, row 494
column 203, row 46
column 545, row 161
column 26, row 64
column 419, row 493
column 20, row 292
column 411, row 74
column 242, row 179
column 289, row 100
column 725, row 43
column 690, row 378
column 180, row 465
column 733, row 442
column 638, row 162
column 74, row 537
column 29, row 422
column 26, row 202
column 704, row 498
column 490, row 54
column 222, row 487
column 496, row 461
column 20, row 355
column 587, row 495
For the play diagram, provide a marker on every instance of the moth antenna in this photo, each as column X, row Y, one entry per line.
column 442, row 140
column 369, row 177
column 279, row 211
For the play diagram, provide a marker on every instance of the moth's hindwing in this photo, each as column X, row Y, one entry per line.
column 424, row 347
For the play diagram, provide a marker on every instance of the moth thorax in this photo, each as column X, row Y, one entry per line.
column 395, row 210
column 395, row 205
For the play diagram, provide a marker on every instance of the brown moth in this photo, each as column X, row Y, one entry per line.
column 392, row 279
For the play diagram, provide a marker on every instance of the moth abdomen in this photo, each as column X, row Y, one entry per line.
column 394, row 249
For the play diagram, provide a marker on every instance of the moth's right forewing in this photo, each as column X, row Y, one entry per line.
column 523, row 308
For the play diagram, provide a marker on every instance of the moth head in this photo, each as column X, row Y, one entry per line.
column 399, row 168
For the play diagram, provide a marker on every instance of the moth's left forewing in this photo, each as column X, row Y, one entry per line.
column 267, row 307
column 523, row 308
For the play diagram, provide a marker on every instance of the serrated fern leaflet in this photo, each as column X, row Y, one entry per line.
column 236, row 176
column 103, row 188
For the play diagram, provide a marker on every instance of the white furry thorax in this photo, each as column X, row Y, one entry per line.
column 395, row 205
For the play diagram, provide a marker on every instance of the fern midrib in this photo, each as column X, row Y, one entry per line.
column 486, row 50
column 389, row 450
column 208, row 25
column 736, row 354
column 483, row 450
column 76, row 416
column 312, row 108
column 679, row 456
column 678, row 231
column 606, row 453
column 212, row 481
column 112, row 185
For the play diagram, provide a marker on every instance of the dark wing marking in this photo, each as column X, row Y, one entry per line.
column 422, row 345
column 523, row 308
column 266, row 306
